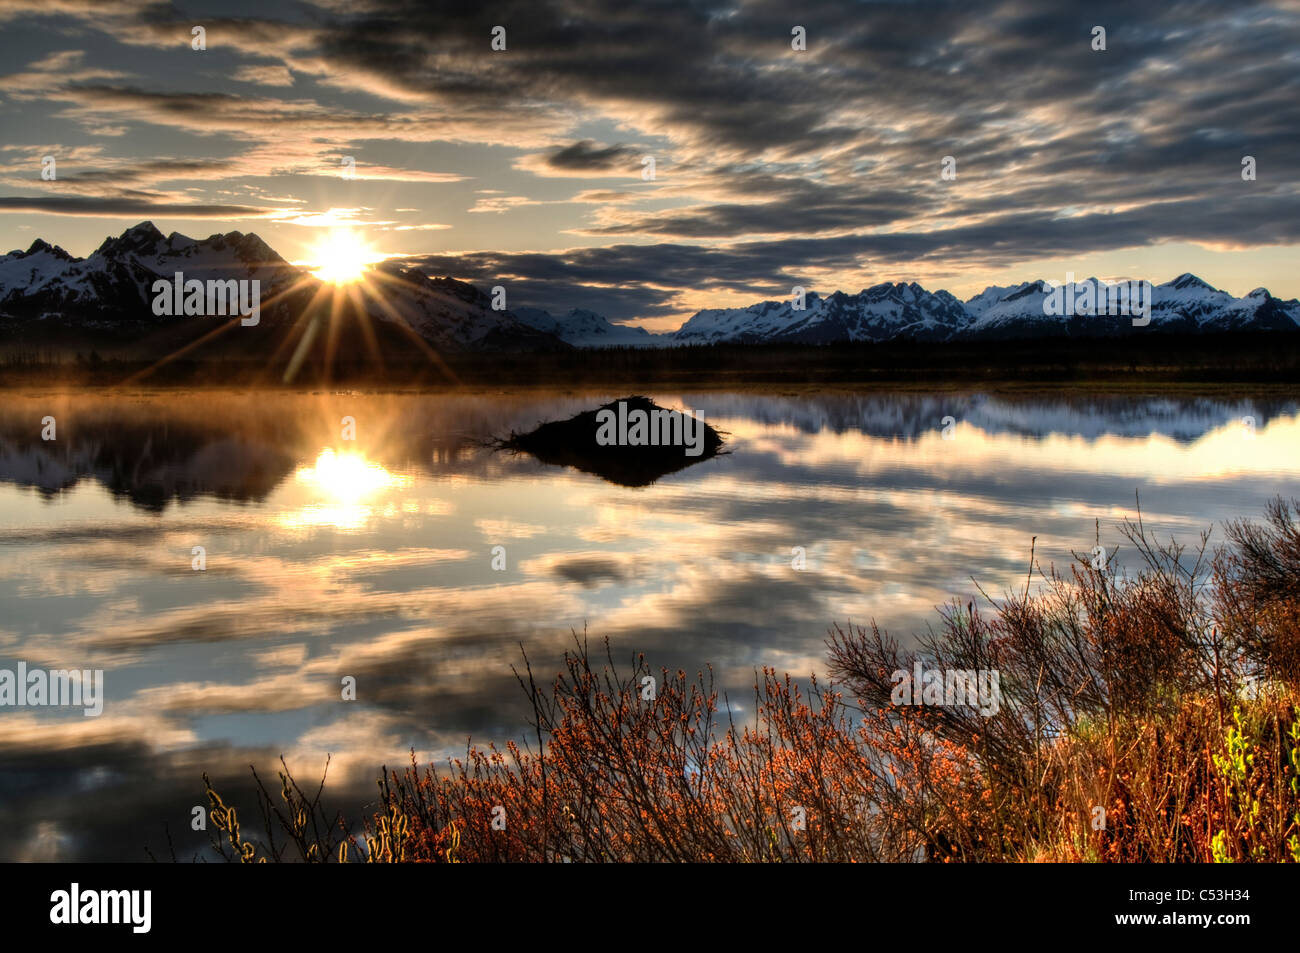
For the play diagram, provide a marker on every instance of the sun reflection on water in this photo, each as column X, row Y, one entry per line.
column 343, row 487
column 347, row 477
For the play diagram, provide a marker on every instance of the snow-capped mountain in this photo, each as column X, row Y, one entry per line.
column 1187, row 304
column 111, row 289
column 588, row 329
column 907, row 311
column 47, row 294
column 1188, row 300
column 879, row 313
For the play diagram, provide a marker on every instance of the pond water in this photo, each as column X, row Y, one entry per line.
column 377, row 558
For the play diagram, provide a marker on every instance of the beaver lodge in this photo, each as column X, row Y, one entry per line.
column 631, row 441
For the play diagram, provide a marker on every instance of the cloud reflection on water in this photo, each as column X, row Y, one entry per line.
column 372, row 558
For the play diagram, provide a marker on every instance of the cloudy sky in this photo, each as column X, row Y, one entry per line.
column 773, row 167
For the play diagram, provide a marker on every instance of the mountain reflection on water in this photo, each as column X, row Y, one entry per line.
column 159, row 451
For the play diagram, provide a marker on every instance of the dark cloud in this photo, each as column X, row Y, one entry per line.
column 159, row 170
column 586, row 156
column 617, row 281
column 117, row 207
column 582, row 277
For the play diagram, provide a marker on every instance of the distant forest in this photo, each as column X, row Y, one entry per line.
column 1129, row 361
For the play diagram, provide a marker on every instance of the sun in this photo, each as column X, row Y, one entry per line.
column 341, row 257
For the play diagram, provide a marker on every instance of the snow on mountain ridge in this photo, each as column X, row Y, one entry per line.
column 888, row 311
column 46, row 291
column 113, row 285
column 878, row 313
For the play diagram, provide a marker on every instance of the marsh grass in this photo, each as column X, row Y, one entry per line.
column 1147, row 718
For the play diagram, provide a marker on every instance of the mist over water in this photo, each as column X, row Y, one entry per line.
column 373, row 557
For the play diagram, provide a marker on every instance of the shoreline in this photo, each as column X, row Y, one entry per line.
column 1104, row 387
column 1162, row 364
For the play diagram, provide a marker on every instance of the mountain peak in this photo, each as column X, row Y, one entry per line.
column 135, row 239
column 145, row 228
column 40, row 245
column 1189, row 280
column 249, row 247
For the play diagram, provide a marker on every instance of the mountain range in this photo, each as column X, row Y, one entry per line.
column 888, row 312
column 48, row 295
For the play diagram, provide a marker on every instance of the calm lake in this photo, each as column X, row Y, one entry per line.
column 374, row 557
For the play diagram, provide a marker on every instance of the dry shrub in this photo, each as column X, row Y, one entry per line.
column 1144, row 718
